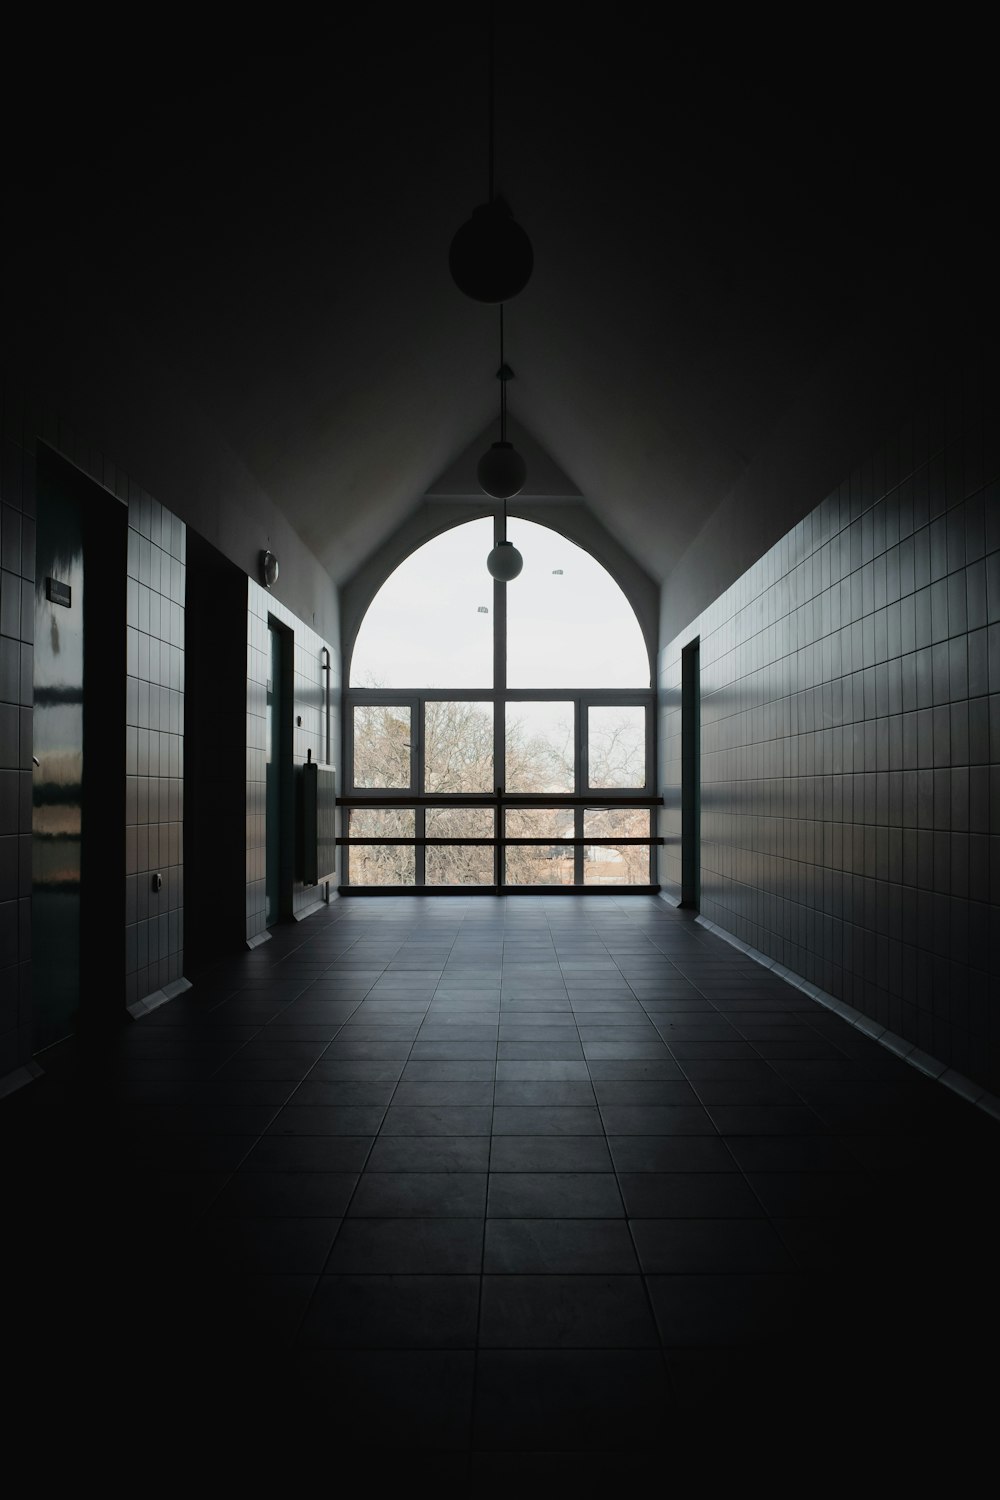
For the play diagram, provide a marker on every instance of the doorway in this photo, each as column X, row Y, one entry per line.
column 279, row 798
column 691, row 775
column 78, row 777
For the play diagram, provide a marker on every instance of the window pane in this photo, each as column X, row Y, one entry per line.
column 381, row 864
column 568, row 622
column 459, row 823
column 459, row 864
column 616, row 823
column 458, row 747
column 540, row 748
column 382, row 746
column 605, row 864
column 431, row 622
column 539, row 864
column 616, row 747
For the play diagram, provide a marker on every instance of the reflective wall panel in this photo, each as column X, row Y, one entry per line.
column 850, row 737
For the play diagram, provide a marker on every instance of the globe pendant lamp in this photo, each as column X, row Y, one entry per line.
column 502, row 471
column 505, row 562
column 491, row 258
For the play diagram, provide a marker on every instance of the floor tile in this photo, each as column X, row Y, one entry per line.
column 688, row 1195
column 271, row 1246
column 389, row 1399
column 544, row 1091
column 566, row 1312
column 595, row 1246
column 653, row 1119
column 436, row 1120
column 549, row 1153
column 351, row 1119
column 570, row 1399
column 432, row 1246
column 289, row 1195
column 308, row 1153
column 430, row 1153
column 393, row 1312
column 554, row 1195
column 546, row 1120
column 705, row 1245
column 438, row 1195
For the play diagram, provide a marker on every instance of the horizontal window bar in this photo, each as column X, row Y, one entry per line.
column 567, row 843
column 595, row 799
column 594, row 889
column 611, row 696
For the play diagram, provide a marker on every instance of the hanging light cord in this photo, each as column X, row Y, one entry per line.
column 503, row 411
column 503, row 385
column 491, row 101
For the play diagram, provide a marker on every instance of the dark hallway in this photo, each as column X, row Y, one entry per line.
column 506, row 1189
column 500, row 940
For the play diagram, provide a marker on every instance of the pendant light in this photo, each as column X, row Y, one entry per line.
column 505, row 562
column 501, row 473
column 491, row 258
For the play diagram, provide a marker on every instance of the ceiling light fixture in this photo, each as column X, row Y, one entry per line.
column 501, row 473
column 491, row 258
column 505, row 562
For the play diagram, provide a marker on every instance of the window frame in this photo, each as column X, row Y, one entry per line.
column 499, row 695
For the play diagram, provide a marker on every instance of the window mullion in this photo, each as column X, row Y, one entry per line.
column 499, row 711
column 579, row 782
column 419, row 821
column 420, row 862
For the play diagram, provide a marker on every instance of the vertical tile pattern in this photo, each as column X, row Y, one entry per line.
column 850, row 708
column 156, row 576
column 17, row 604
column 154, row 932
column 309, row 736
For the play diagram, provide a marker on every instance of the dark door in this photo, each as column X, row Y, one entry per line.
column 274, row 747
column 78, row 816
column 691, row 775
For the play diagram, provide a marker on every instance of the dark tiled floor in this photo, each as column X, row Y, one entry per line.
column 563, row 1189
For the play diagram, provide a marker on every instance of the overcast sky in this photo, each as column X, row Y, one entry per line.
column 568, row 623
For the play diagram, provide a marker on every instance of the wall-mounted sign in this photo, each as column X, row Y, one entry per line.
column 58, row 593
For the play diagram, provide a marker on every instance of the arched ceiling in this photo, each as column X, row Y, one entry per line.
column 272, row 229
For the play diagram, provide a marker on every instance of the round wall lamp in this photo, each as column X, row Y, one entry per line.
column 268, row 569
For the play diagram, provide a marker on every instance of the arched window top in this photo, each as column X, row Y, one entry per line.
column 568, row 622
column 431, row 624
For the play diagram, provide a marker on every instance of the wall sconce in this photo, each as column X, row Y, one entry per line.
column 268, row 569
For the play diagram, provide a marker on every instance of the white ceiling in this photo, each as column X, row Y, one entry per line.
column 706, row 219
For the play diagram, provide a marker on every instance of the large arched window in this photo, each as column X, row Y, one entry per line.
column 499, row 735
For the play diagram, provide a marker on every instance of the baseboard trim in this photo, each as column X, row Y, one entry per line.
column 310, row 910
column 151, row 1002
column 11, row 1082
